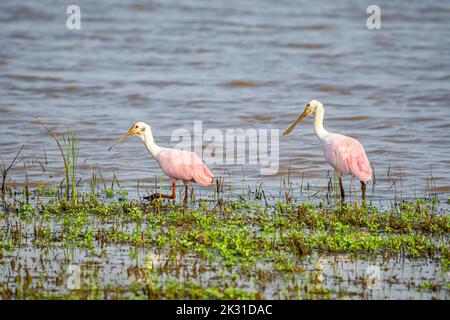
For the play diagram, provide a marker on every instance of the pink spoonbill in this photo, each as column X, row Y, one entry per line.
column 176, row 164
column 346, row 155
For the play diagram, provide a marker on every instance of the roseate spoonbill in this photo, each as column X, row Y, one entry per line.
column 176, row 164
column 346, row 155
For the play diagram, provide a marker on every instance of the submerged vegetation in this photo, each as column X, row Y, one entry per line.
column 104, row 244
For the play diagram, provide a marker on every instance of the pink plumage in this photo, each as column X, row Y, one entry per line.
column 184, row 165
column 176, row 164
column 347, row 156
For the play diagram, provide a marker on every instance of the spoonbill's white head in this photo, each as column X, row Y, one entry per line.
column 138, row 129
column 313, row 105
column 310, row 108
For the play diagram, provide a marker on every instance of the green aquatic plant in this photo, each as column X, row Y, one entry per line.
column 5, row 170
column 70, row 158
column 71, row 144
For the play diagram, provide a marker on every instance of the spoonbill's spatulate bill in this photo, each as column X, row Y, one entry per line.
column 346, row 155
column 176, row 164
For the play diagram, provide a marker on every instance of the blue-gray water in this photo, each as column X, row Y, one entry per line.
column 171, row 63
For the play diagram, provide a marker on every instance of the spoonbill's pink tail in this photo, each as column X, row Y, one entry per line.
column 359, row 165
column 347, row 155
column 363, row 170
column 184, row 165
column 203, row 176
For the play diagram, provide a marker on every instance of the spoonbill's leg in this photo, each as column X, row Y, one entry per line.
column 161, row 195
column 341, row 186
column 185, row 194
column 363, row 192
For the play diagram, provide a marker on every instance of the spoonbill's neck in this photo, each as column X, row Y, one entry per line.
column 152, row 147
column 321, row 133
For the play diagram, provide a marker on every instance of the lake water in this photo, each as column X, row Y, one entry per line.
column 248, row 64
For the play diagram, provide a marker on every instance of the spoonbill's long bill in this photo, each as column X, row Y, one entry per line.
column 176, row 164
column 346, row 155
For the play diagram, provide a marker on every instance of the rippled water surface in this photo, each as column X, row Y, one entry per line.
column 251, row 65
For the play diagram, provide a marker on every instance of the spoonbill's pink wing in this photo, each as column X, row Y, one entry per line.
column 184, row 165
column 347, row 156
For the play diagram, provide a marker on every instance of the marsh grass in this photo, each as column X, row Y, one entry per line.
column 5, row 170
column 71, row 159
